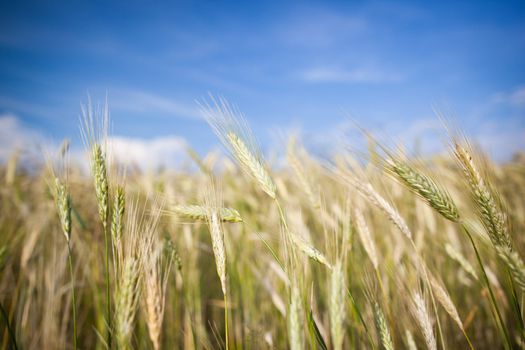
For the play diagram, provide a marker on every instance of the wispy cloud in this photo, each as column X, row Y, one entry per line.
column 21, row 106
column 515, row 97
column 151, row 103
column 326, row 74
column 316, row 27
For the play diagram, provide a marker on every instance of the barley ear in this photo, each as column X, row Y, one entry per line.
column 63, row 205
column 101, row 182
column 119, row 207
column 423, row 320
column 382, row 328
column 426, row 188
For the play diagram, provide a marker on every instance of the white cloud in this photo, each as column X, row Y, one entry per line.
column 354, row 76
column 150, row 103
column 14, row 136
column 515, row 97
column 168, row 151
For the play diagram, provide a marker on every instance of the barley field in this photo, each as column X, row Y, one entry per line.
column 351, row 251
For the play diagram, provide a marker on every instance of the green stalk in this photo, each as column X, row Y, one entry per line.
column 12, row 339
column 516, row 304
column 501, row 324
column 72, row 275
column 108, row 295
column 226, row 333
column 361, row 319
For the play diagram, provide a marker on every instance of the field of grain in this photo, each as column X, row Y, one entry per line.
column 375, row 251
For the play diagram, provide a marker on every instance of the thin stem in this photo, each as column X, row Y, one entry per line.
column 516, row 304
column 501, row 324
column 72, row 275
column 108, row 298
column 12, row 338
column 226, row 321
column 360, row 316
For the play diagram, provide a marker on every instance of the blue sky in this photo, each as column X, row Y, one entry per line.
column 311, row 66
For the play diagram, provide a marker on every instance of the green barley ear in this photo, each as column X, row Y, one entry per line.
column 63, row 205
column 127, row 297
column 426, row 188
column 119, row 207
column 231, row 128
column 172, row 252
column 382, row 328
column 199, row 213
column 101, row 182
